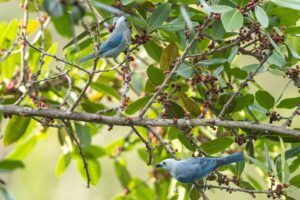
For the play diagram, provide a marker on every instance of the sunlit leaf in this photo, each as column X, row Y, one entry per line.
column 232, row 20
column 159, row 15
column 94, row 169
column 9, row 165
column 12, row 132
column 62, row 163
column 265, row 99
column 217, row 145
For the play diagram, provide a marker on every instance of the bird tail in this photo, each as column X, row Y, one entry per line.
column 86, row 58
column 236, row 157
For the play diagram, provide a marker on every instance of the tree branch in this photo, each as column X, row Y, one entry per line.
column 136, row 121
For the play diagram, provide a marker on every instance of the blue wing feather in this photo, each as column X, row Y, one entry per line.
column 111, row 43
column 195, row 168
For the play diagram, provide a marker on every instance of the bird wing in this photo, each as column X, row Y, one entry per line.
column 111, row 43
column 206, row 164
column 193, row 169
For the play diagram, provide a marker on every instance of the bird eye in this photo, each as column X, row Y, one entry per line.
column 164, row 163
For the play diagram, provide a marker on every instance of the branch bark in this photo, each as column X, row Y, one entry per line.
column 136, row 121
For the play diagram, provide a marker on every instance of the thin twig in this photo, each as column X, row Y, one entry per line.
column 82, row 154
column 52, row 77
column 236, row 189
column 288, row 122
column 42, row 56
column 147, row 144
column 167, row 146
column 97, row 24
column 10, row 50
column 24, row 57
column 55, row 57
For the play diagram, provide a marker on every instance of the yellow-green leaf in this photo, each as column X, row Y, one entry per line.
column 190, row 105
column 15, row 129
column 168, row 56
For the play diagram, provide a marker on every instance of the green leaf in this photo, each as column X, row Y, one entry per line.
column 190, row 105
column 259, row 164
column 168, row 56
column 137, row 105
column 185, row 70
column 292, row 4
column 174, row 110
column 243, row 101
column 143, row 154
column 217, row 145
column 276, row 59
column 156, row 75
column 22, row 149
column 159, row 15
column 239, row 168
column 122, row 173
column 232, row 20
column 250, row 148
column 289, row 103
column 83, row 134
column 295, row 181
column 213, row 61
column 174, row 26
column 15, row 129
column 62, row 163
column 186, row 17
column 265, row 99
column 9, row 165
column 261, row 16
column 173, row 132
column 292, row 30
column 185, row 141
column 153, row 50
column 9, row 33
column 233, row 52
column 95, row 151
column 238, row 73
column 106, row 89
column 284, row 166
column 246, row 185
column 94, row 169
column 220, row 8
column 47, row 60
column 60, row 25
column 269, row 161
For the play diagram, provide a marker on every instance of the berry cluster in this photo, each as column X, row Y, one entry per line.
column 141, row 39
column 277, row 38
column 200, row 78
column 276, row 191
column 252, row 35
column 274, row 116
column 240, row 139
column 293, row 73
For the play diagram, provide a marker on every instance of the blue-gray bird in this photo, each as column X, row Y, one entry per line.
column 193, row 169
column 117, row 42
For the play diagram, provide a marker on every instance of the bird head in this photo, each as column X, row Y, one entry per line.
column 167, row 164
column 121, row 21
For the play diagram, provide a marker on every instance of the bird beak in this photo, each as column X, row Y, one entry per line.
column 158, row 165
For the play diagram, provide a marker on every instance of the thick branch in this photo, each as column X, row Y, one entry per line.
column 123, row 121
